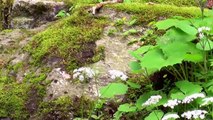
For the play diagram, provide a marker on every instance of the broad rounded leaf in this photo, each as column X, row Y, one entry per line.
column 133, row 85
column 155, row 115
column 178, row 35
column 188, row 87
column 205, row 45
column 127, row 108
column 135, row 66
column 113, row 89
column 165, row 24
column 177, row 95
column 186, row 27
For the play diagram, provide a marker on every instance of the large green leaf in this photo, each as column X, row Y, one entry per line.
column 153, row 60
column 199, row 22
column 113, row 89
column 188, row 87
column 176, row 94
column 127, row 108
column 178, row 51
column 196, row 57
column 133, row 85
column 205, row 45
column 181, row 24
column 186, row 27
column 165, row 24
column 155, row 115
column 135, row 66
column 176, row 34
column 144, row 49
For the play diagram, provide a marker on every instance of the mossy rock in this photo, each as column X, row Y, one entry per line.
column 170, row 2
column 65, row 108
column 72, row 39
column 148, row 13
column 20, row 100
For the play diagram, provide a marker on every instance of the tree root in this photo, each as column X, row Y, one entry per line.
column 97, row 7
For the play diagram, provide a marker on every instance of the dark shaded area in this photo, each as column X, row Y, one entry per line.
column 160, row 78
column 33, row 101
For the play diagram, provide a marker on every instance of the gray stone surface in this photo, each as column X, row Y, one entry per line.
column 32, row 13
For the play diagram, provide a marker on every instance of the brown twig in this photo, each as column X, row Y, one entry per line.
column 97, row 7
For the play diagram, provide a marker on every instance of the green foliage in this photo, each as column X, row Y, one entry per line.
column 111, row 90
column 155, row 115
column 130, row 32
column 62, row 14
column 185, row 87
column 127, row 108
column 179, row 33
column 184, row 51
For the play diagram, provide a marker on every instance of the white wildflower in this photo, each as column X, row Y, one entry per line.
column 63, row 74
column 201, row 35
column 83, row 73
column 195, row 114
column 192, row 97
column 117, row 74
column 201, row 29
column 172, row 103
column 207, row 101
column 152, row 100
column 170, row 116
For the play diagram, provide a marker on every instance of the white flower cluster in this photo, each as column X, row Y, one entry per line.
column 170, row 116
column 201, row 29
column 207, row 101
column 63, row 73
column 192, row 97
column 172, row 103
column 194, row 114
column 83, row 73
column 152, row 100
column 117, row 74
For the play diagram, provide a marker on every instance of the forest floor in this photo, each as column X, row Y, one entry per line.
column 121, row 27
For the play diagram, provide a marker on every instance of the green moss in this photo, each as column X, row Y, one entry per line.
column 68, row 39
column 13, row 97
column 147, row 13
column 65, row 107
column 56, row 109
column 6, row 31
column 16, row 99
column 99, row 54
column 170, row 2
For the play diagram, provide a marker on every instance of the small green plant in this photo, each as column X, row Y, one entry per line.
column 62, row 14
column 112, row 31
column 130, row 32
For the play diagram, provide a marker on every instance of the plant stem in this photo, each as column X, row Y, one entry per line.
column 183, row 71
column 181, row 77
